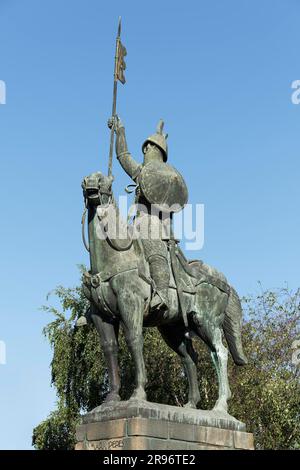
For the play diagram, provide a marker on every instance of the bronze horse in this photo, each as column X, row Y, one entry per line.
column 120, row 294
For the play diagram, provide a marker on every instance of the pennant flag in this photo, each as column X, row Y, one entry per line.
column 121, row 66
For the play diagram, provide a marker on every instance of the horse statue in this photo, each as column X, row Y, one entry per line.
column 119, row 289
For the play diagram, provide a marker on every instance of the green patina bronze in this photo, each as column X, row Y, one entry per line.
column 135, row 282
column 138, row 274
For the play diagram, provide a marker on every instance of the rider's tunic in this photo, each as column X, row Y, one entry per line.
column 153, row 226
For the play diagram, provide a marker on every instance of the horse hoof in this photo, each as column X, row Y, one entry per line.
column 139, row 395
column 112, row 397
column 190, row 405
column 220, row 408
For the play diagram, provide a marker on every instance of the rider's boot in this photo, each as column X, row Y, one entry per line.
column 159, row 271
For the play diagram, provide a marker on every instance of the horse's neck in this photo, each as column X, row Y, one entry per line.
column 101, row 252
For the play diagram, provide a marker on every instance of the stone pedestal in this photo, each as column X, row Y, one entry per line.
column 140, row 425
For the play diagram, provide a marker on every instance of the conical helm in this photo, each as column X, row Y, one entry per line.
column 159, row 139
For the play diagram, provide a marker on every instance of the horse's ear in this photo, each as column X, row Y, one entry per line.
column 83, row 184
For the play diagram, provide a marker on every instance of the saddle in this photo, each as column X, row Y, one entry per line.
column 185, row 275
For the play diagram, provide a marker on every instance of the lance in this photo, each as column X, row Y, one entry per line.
column 118, row 75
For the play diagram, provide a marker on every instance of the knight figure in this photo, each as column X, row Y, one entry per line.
column 160, row 191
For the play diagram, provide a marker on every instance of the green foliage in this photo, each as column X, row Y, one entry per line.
column 57, row 432
column 266, row 393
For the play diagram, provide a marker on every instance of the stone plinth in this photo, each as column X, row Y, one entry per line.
column 140, row 425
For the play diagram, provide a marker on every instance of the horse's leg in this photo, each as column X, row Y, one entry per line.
column 207, row 322
column 220, row 357
column 175, row 338
column 131, row 305
column 212, row 336
column 108, row 333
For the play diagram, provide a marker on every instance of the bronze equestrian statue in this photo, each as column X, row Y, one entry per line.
column 142, row 281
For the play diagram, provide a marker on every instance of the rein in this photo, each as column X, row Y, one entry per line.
column 116, row 244
column 87, row 247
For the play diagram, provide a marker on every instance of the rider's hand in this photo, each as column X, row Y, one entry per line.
column 115, row 122
column 110, row 122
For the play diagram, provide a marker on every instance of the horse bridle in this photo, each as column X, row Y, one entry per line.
column 102, row 192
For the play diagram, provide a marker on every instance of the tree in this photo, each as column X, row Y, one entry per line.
column 266, row 393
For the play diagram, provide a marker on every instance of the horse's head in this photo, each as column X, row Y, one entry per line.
column 97, row 189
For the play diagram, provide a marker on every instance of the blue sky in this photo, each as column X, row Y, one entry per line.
column 220, row 75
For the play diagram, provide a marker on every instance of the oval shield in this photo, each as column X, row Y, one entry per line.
column 163, row 186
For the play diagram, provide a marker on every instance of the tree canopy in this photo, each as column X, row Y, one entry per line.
column 265, row 393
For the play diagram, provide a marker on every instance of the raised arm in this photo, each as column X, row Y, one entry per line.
column 129, row 165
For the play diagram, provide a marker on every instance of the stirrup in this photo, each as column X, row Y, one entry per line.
column 157, row 302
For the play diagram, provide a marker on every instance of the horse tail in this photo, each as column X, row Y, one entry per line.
column 232, row 328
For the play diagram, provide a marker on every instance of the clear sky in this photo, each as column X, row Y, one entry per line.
column 218, row 72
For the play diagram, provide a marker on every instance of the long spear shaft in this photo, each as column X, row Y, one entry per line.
column 114, row 105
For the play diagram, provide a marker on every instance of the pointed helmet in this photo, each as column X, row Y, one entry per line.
column 159, row 139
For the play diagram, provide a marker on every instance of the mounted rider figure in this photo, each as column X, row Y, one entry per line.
column 160, row 191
